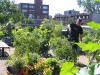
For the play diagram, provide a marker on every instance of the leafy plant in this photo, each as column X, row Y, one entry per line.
column 8, row 10
column 51, row 61
column 91, row 69
column 30, row 58
column 54, row 63
column 68, row 68
column 94, row 25
column 16, row 62
column 25, row 40
column 97, row 0
column 90, row 46
column 1, row 34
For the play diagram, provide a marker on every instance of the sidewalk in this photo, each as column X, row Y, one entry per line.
column 3, row 70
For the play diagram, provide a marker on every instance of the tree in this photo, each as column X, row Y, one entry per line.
column 8, row 10
column 88, row 5
column 25, row 41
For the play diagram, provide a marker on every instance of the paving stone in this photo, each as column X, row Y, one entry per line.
column 3, row 70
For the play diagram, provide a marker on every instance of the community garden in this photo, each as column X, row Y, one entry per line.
column 44, row 50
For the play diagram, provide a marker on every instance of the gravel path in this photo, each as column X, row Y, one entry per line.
column 3, row 70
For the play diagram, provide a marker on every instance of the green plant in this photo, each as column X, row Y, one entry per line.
column 25, row 41
column 8, row 10
column 88, row 36
column 16, row 62
column 62, row 48
column 91, row 69
column 54, row 63
column 94, row 25
column 68, row 68
column 97, row 57
column 30, row 58
column 51, row 61
column 97, row 1
column 1, row 34
column 91, row 48
column 47, row 71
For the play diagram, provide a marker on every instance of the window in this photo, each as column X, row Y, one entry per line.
column 31, row 16
column 24, row 10
column 87, row 17
column 99, row 8
column 31, row 10
column 45, row 7
column 25, row 6
column 31, row 6
column 45, row 12
column 45, row 16
column 83, row 17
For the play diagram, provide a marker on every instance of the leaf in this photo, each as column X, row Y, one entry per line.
column 68, row 69
column 94, row 25
column 90, row 46
column 74, row 70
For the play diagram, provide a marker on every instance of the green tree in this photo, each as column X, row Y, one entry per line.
column 9, row 10
column 88, row 5
column 25, row 41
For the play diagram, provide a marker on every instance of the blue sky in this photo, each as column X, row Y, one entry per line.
column 56, row 6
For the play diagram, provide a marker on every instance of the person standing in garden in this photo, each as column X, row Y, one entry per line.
column 75, row 35
column 75, row 31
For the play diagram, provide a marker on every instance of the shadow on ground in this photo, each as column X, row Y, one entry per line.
column 6, row 55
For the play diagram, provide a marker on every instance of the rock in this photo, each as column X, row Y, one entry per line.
column 83, row 60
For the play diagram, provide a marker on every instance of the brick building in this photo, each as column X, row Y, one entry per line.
column 36, row 10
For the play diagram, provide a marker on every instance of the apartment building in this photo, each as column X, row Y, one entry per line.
column 71, row 16
column 36, row 10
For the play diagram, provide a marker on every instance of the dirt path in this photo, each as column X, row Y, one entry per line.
column 3, row 70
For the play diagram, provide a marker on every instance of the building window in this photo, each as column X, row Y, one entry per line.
column 31, row 10
column 31, row 6
column 45, row 7
column 87, row 17
column 31, row 16
column 99, row 10
column 76, row 17
column 24, row 10
column 45, row 16
column 45, row 12
column 83, row 17
column 25, row 6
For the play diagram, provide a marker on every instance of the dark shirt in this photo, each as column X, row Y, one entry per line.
column 75, row 31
